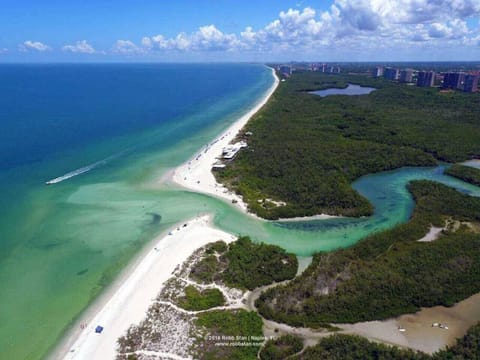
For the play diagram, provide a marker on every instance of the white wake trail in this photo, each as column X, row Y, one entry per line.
column 83, row 169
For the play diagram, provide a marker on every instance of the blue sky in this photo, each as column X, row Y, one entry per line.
column 233, row 30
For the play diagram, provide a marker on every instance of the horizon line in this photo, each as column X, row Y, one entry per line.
column 235, row 62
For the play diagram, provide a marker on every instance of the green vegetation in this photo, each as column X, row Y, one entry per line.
column 251, row 265
column 201, row 300
column 205, row 270
column 306, row 150
column 281, row 348
column 347, row 347
column 227, row 327
column 246, row 265
column 241, row 264
column 465, row 173
column 389, row 273
column 218, row 247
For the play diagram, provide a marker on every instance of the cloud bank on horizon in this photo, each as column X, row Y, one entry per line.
column 81, row 46
column 33, row 46
column 363, row 26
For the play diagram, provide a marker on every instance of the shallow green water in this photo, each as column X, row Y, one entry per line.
column 60, row 245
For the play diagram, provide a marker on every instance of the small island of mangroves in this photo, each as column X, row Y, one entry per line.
column 466, row 173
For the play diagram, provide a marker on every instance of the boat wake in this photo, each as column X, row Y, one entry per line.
column 84, row 169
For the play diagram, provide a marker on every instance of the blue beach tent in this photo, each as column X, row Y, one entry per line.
column 99, row 329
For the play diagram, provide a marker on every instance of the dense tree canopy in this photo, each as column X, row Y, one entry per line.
column 305, row 150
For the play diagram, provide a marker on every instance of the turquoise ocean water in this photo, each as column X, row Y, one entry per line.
column 112, row 131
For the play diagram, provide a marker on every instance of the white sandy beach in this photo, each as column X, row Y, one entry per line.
column 132, row 298
column 196, row 174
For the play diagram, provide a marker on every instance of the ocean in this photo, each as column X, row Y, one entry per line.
column 103, row 135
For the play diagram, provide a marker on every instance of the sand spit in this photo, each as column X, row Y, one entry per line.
column 130, row 300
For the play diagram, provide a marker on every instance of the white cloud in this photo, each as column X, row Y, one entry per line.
column 352, row 24
column 210, row 38
column 363, row 22
column 416, row 11
column 206, row 38
column 127, row 47
column 3, row 50
column 147, row 42
column 33, row 45
column 292, row 26
column 358, row 15
column 248, row 35
column 81, row 46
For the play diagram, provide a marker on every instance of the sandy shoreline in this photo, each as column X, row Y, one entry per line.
column 196, row 174
column 309, row 218
column 127, row 303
